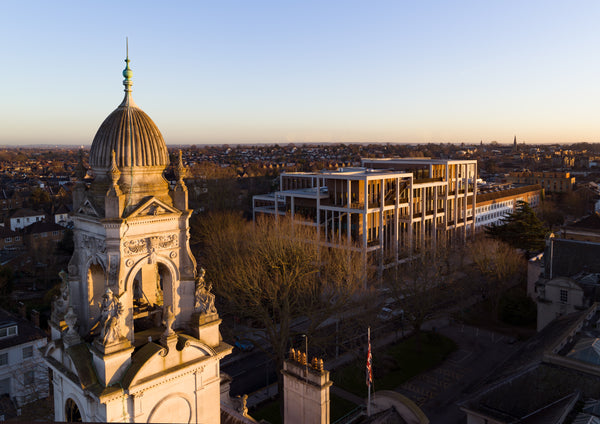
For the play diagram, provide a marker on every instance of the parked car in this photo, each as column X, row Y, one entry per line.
column 387, row 314
column 244, row 345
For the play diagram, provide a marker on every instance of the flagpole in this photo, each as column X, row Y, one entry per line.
column 369, row 372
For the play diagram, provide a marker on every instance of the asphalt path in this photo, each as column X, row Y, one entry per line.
column 250, row 371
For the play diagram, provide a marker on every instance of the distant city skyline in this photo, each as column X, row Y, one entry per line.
column 235, row 72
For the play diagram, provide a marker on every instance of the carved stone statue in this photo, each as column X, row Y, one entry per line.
column 71, row 320
column 243, row 405
column 112, row 310
column 204, row 299
column 71, row 336
column 60, row 303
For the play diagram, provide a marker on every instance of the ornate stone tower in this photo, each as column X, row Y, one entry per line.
column 135, row 334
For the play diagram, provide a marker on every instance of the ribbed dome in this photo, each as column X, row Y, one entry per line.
column 131, row 133
column 133, row 136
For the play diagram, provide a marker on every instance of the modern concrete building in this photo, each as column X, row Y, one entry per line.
column 388, row 207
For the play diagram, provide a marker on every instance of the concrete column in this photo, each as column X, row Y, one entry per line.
column 423, row 212
column 446, row 204
column 365, row 211
column 318, row 208
column 292, row 206
column 435, row 208
column 474, row 205
column 411, row 210
column 465, row 206
column 381, row 207
column 396, row 219
column 349, row 205
column 455, row 208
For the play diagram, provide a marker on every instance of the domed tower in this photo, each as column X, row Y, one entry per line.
column 140, row 152
column 135, row 334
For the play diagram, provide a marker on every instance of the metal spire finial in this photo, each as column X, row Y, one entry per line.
column 127, row 72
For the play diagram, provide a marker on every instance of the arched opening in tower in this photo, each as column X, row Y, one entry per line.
column 152, row 292
column 72, row 412
column 96, row 286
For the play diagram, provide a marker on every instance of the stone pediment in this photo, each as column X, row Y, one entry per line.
column 152, row 207
column 88, row 208
column 149, row 361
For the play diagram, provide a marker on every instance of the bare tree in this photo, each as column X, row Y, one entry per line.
column 277, row 273
column 424, row 283
column 30, row 381
column 499, row 267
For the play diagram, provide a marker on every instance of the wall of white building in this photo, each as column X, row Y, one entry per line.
column 23, row 375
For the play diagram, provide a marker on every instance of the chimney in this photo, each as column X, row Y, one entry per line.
column 35, row 317
column 22, row 310
column 305, row 390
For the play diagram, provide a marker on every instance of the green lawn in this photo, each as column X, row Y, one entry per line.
column 270, row 411
column 395, row 364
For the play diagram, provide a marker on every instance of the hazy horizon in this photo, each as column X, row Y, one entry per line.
column 269, row 72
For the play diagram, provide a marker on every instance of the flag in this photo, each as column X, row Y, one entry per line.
column 369, row 362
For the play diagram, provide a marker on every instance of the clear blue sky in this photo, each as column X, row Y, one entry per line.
column 253, row 71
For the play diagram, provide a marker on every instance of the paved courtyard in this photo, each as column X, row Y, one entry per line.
column 479, row 353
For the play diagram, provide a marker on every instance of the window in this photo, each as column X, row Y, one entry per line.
column 5, row 386
column 564, row 295
column 8, row 239
column 27, row 352
column 8, row 331
column 54, row 233
column 28, row 377
column 3, row 358
column 17, row 238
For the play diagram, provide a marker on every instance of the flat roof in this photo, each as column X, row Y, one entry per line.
column 349, row 171
column 425, row 161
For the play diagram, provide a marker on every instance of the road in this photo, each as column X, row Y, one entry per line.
column 250, row 371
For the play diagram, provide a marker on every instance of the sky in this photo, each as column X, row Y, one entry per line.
column 323, row 71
